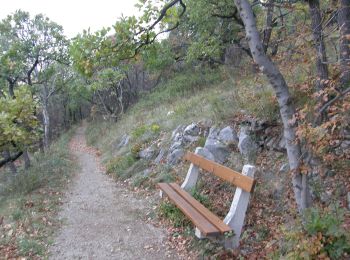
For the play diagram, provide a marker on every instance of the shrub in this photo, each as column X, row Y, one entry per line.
column 135, row 149
column 171, row 212
column 322, row 235
column 119, row 165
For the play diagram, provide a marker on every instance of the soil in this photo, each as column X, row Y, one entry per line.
column 102, row 219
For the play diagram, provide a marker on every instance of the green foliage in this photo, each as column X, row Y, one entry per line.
column 142, row 130
column 171, row 212
column 47, row 169
column 25, row 42
column 321, row 236
column 30, row 247
column 180, row 86
column 203, row 199
column 35, row 205
column 119, row 166
column 18, row 123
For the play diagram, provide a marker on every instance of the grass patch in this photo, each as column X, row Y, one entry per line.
column 119, row 166
column 30, row 200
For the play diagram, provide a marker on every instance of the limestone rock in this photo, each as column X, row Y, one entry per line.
column 284, row 168
column 246, row 145
column 219, row 150
column 123, row 141
column 227, row 135
column 160, row 156
column 175, row 156
column 205, row 153
column 148, row 153
column 192, row 130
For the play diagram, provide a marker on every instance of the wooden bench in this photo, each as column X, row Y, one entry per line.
column 208, row 224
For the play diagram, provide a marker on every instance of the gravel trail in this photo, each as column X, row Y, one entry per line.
column 102, row 219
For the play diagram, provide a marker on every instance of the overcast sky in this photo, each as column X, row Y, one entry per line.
column 74, row 15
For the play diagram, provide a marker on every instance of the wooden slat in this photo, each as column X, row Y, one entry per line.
column 212, row 218
column 198, row 220
column 225, row 173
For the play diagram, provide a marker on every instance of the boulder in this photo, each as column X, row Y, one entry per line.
column 148, row 153
column 176, row 133
column 190, row 139
column 146, row 172
column 219, row 150
column 205, row 153
column 160, row 156
column 227, row 135
column 176, row 145
column 277, row 143
column 123, row 141
column 246, row 145
column 192, row 130
column 175, row 156
column 284, row 168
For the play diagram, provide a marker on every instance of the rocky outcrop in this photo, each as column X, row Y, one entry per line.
column 218, row 142
column 175, row 156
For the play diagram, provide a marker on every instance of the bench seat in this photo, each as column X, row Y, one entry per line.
column 207, row 222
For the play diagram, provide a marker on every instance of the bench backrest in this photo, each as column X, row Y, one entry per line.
column 235, row 178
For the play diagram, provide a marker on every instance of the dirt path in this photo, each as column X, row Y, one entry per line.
column 103, row 220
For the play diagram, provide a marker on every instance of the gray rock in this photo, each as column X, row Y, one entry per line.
column 284, row 168
column 326, row 197
column 205, row 153
column 192, row 130
column 190, row 139
column 177, row 131
column 146, row 172
column 246, row 145
column 348, row 197
column 160, row 156
column 175, row 156
column 227, row 135
column 176, row 145
column 148, row 153
column 277, row 143
column 177, row 137
column 345, row 144
column 220, row 151
column 123, row 141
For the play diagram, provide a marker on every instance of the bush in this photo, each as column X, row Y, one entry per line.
column 46, row 170
column 171, row 212
column 119, row 165
column 322, row 235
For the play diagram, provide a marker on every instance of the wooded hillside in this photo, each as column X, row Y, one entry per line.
column 275, row 71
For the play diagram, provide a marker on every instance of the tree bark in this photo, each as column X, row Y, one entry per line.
column 344, row 44
column 46, row 118
column 268, row 24
column 286, row 106
column 26, row 159
column 321, row 56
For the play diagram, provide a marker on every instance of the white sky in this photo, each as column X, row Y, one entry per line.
column 74, row 15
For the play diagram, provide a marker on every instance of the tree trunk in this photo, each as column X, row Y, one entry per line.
column 286, row 106
column 344, row 44
column 321, row 57
column 268, row 24
column 10, row 164
column 46, row 118
column 26, row 159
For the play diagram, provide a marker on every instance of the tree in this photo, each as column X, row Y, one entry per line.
column 25, row 46
column 53, row 78
column 287, row 110
column 344, row 44
column 19, row 127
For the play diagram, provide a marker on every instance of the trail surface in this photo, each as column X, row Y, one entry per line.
column 103, row 220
